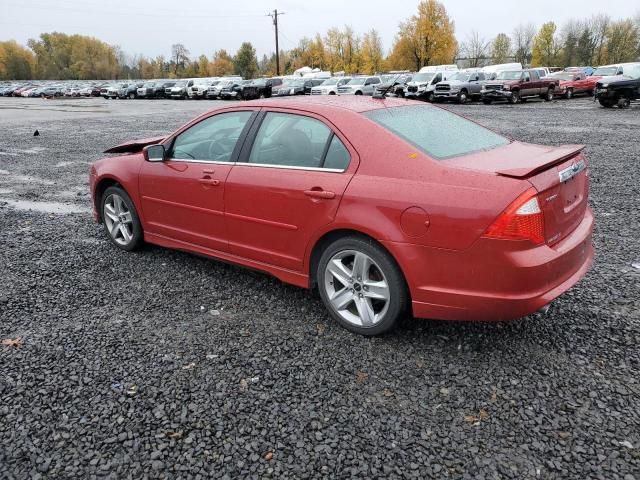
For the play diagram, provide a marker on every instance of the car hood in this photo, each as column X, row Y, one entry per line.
column 503, row 82
column 133, row 146
column 615, row 79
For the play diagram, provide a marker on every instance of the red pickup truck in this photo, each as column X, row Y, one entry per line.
column 516, row 86
column 572, row 83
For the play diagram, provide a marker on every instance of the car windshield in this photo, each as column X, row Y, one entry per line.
column 181, row 83
column 460, row 76
column 330, row 81
column 437, row 132
column 295, row 83
column 259, row 82
column 423, row 77
column 605, row 71
column 509, row 76
column 356, row 81
column 632, row 71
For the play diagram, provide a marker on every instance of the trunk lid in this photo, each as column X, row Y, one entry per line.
column 559, row 174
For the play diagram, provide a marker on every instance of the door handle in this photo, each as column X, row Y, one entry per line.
column 320, row 194
column 209, row 181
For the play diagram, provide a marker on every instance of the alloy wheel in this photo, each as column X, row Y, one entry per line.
column 118, row 219
column 357, row 288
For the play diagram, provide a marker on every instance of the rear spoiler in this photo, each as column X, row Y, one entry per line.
column 517, row 159
column 133, row 146
column 541, row 162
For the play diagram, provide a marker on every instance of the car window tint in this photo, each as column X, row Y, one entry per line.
column 435, row 131
column 337, row 155
column 212, row 139
column 290, row 140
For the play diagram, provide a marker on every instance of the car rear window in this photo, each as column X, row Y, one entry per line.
column 435, row 131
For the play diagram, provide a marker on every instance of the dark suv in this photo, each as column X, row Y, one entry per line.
column 621, row 89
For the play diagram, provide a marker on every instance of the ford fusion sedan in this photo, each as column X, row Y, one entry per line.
column 388, row 207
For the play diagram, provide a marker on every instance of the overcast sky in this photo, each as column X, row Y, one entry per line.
column 151, row 27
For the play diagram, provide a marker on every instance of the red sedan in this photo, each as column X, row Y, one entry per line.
column 572, row 83
column 388, row 206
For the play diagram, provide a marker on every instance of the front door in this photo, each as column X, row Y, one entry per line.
column 183, row 197
column 287, row 185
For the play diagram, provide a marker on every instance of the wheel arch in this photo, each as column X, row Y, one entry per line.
column 331, row 236
column 101, row 187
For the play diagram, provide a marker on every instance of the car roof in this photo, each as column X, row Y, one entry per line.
column 354, row 103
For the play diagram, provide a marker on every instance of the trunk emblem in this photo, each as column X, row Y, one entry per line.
column 572, row 171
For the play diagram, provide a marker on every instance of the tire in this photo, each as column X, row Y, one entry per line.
column 115, row 204
column 549, row 95
column 132, row 96
column 624, row 102
column 463, row 97
column 332, row 93
column 606, row 103
column 515, row 97
column 569, row 94
column 429, row 98
column 362, row 310
column 487, row 101
column 358, row 92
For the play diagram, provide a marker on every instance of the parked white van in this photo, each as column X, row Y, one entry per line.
column 423, row 83
column 492, row 71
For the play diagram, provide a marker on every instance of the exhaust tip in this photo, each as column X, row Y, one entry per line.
column 544, row 310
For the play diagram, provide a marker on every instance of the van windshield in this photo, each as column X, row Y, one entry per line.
column 605, row 71
column 422, row 77
column 436, row 131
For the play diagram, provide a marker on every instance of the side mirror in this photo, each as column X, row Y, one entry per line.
column 154, row 153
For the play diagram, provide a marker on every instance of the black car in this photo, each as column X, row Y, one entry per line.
column 163, row 90
column 234, row 90
column 130, row 90
column 259, row 88
column 298, row 86
column 620, row 90
column 395, row 86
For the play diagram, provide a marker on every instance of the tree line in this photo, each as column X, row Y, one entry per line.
column 425, row 38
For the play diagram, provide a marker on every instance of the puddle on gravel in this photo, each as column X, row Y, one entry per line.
column 44, row 207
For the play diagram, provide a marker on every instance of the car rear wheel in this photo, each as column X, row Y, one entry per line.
column 549, row 95
column 361, row 286
column 120, row 219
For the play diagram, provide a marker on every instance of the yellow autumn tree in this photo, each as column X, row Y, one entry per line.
column 16, row 61
column 546, row 46
column 426, row 38
column 371, row 52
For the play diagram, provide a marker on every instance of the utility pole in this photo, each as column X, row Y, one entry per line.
column 274, row 16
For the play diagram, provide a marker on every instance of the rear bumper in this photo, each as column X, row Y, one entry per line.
column 493, row 280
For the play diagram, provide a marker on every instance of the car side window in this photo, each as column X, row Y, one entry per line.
column 437, row 78
column 526, row 77
column 286, row 139
column 211, row 140
column 337, row 156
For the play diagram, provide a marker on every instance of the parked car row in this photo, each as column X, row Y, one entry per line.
column 611, row 85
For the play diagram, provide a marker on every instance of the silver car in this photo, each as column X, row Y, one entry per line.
column 359, row 86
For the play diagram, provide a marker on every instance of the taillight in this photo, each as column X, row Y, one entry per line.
column 522, row 220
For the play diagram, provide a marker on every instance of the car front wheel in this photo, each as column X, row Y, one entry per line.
column 120, row 219
column 361, row 286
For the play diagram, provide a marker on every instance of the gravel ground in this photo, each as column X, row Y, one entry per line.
column 163, row 364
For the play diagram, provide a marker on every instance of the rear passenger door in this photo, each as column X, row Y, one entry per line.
column 288, row 183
